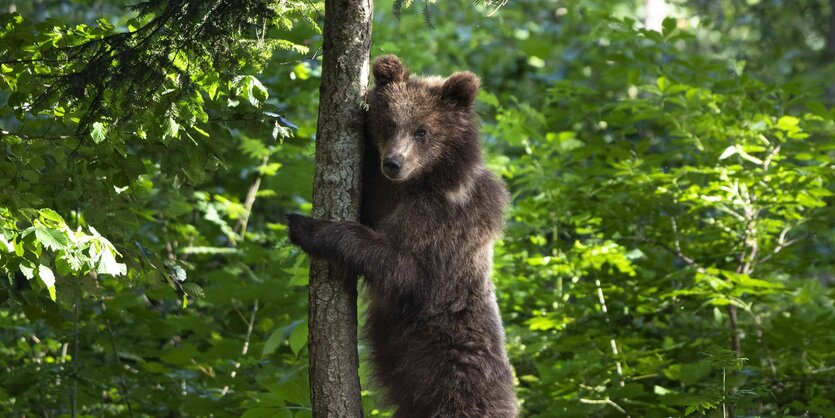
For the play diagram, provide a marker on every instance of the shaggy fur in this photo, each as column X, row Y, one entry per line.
column 425, row 247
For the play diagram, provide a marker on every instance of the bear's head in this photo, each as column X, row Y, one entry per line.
column 423, row 127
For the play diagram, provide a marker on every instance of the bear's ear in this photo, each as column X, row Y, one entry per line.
column 389, row 69
column 462, row 88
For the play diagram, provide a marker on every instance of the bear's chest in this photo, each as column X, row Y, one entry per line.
column 423, row 224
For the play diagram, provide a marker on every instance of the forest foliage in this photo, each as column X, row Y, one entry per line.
column 669, row 250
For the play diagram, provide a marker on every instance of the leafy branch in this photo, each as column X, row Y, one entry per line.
column 174, row 49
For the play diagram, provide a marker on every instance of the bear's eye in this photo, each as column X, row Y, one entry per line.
column 421, row 134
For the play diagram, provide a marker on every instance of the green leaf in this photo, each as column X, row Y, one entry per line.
column 739, row 67
column 489, row 99
column 108, row 264
column 281, row 133
column 63, row 266
column 275, row 339
column 660, row 390
column 193, row 290
column 729, row 151
column 200, row 131
column 269, row 169
column 47, row 214
column 787, row 123
column 51, row 238
column 18, row 248
column 542, row 323
column 298, row 337
column 98, row 132
column 294, row 387
column 302, row 71
column 48, row 279
column 669, row 25
column 688, row 373
column 258, row 93
column 663, row 84
column 28, row 269
column 6, row 245
column 171, row 128
column 181, row 355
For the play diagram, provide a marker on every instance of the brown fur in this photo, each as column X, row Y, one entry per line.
column 425, row 247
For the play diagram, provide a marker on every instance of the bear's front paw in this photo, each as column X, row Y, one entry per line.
column 302, row 230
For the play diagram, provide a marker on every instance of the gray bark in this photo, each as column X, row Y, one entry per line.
column 334, row 364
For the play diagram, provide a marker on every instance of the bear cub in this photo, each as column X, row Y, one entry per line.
column 430, row 215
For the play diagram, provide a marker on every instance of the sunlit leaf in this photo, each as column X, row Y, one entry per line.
column 51, row 238
column 98, row 132
column 48, row 279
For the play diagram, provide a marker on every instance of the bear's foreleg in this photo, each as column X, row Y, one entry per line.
column 355, row 246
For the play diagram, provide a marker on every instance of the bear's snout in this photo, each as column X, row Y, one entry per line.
column 392, row 166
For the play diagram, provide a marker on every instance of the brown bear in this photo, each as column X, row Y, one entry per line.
column 430, row 215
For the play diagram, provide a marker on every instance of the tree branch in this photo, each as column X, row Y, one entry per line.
column 249, row 325
column 250, row 200
column 782, row 243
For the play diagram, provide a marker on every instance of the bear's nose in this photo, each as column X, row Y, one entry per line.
column 393, row 164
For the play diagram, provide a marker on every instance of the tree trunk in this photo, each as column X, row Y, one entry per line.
column 334, row 364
